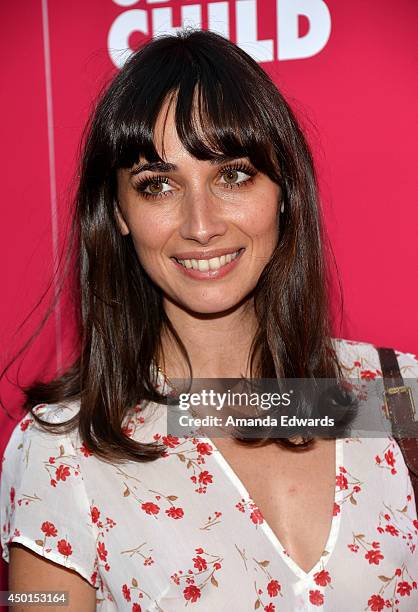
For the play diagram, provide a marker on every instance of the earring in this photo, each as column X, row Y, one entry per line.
column 282, row 207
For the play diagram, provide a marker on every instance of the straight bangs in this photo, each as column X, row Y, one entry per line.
column 218, row 112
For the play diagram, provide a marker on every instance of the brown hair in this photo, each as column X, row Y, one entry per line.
column 119, row 309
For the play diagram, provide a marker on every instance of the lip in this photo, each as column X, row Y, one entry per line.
column 209, row 274
column 206, row 254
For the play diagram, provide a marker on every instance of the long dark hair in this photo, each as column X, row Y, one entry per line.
column 120, row 316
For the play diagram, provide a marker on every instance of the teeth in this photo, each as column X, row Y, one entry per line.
column 203, row 265
column 214, row 263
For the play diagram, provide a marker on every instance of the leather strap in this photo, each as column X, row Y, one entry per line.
column 401, row 411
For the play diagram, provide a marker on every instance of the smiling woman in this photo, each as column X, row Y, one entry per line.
column 202, row 220
column 200, row 253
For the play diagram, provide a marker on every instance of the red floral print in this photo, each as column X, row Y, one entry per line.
column 59, row 499
column 64, row 548
column 25, row 424
column 200, row 563
column 316, row 598
column 62, row 473
column 203, row 448
column 256, row 516
column 170, row 441
column 95, row 514
column 150, row 508
column 404, row 588
column 367, row 375
column 86, row 452
column 393, row 584
column 376, row 603
column 341, row 481
column 205, row 477
column 191, row 593
column 390, row 459
column 192, row 459
column 126, row 592
column 212, row 520
column 175, row 513
column 374, row 556
column 353, row 547
column 322, row 578
column 373, row 553
column 273, row 588
column 345, row 481
column 101, row 551
column 392, row 530
column 133, row 423
column 49, row 529
column 93, row 578
column 203, row 572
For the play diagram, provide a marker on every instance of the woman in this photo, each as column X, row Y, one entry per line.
column 200, row 254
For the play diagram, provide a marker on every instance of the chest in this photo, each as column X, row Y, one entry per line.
column 294, row 490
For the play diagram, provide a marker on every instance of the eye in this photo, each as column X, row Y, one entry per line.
column 231, row 175
column 151, row 187
column 154, row 187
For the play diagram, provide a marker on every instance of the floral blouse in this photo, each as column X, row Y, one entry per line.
column 182, row 532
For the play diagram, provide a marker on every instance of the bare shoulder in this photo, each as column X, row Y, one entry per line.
column 28, row 571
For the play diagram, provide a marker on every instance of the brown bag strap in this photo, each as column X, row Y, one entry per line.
column 400, row 409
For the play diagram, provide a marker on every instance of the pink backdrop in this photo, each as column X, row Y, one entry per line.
column 347, row 68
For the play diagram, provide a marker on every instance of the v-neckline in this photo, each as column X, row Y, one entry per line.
column 268, row 531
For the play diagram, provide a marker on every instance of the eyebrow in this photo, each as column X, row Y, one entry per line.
column 167, row 167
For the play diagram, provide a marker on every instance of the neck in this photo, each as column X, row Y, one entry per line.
column 218, row 345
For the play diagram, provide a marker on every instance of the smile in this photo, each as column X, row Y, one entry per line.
column 203, row 265
column 209, row 269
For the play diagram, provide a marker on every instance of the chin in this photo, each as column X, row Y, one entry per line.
column 207, row 306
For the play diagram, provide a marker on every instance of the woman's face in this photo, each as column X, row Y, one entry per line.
column 203, row 231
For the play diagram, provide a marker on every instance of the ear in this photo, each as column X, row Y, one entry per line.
column 124, row 229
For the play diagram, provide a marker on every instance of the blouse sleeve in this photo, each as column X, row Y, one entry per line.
column 43, row 502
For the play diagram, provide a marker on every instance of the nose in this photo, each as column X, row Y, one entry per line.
column 202, row 218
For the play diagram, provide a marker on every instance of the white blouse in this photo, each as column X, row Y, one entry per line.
column 182, row 531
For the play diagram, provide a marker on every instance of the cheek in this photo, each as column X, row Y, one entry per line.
column 149, row 235
column 260, row 221
column 265, row 221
